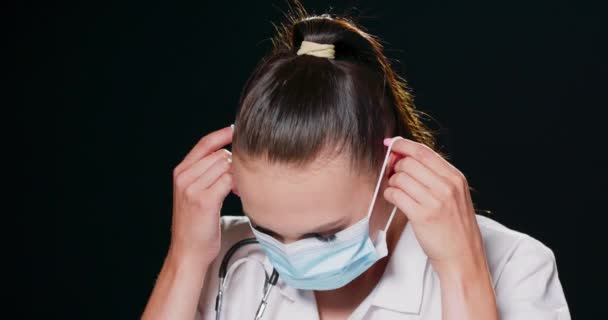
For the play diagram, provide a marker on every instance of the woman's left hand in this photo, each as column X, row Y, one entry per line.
column 435, row 197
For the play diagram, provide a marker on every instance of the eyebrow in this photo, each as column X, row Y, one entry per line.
column 329, row 228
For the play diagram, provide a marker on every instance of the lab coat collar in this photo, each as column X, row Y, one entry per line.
column 400, row 288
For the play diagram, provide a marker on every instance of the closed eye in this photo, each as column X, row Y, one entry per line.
column 268, row 232
column 321, row 237
column 325, row 238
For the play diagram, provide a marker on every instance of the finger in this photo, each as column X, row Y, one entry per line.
column 222, row 187
column 416, row 190
column 424, row 155
column 199, row 167
column 206, row 145
column 403, row 201
column 209, row 177
column 436, row 184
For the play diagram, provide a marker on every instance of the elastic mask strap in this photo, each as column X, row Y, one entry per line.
column 388, row 223
column 369, row 212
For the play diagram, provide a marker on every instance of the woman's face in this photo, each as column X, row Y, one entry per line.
column 292, row 204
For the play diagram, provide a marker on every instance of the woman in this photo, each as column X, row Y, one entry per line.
column 356, row 228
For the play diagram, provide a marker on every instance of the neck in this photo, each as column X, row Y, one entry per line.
column 344, row 300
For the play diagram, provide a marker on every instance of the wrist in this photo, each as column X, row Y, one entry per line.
column 463, row 270
column 183, row 269
column 180, row 282
column 467, row 291
column 181, row 258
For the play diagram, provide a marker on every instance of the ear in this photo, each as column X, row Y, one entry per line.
column 392, row 161
column 235, row 191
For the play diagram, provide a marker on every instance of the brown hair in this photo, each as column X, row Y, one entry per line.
column 295, row 107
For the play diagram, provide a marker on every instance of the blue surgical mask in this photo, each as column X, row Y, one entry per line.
column 314, row 264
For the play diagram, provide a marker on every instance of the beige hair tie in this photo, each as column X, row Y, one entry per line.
column 317, row 49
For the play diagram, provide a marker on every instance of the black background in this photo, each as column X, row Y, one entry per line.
column 115, row 94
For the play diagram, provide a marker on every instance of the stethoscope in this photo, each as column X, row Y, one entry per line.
column 268, row 285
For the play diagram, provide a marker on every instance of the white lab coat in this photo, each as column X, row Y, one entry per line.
column 523, row 270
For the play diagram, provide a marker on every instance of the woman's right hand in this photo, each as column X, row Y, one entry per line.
column 201, row 182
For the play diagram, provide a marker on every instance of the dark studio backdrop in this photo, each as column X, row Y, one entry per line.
column 116, row 93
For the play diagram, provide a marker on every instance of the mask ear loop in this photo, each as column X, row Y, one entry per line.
column 369, row 212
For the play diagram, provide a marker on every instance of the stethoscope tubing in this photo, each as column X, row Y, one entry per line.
column 269, row 282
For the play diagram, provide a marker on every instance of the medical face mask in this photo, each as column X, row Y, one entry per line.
column 315, row 264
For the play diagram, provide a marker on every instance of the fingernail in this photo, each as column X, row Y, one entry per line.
column 232, row 126
column 387, row 142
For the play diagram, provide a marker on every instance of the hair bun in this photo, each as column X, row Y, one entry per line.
column 312, row 35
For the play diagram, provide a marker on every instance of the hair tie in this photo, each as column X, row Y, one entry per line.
column 316, row 49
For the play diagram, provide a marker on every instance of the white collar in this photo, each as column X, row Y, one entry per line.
column 404, row 273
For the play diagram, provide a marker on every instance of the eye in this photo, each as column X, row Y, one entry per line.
column 325, row 238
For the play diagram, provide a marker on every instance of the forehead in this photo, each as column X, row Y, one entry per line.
column 291, row 200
